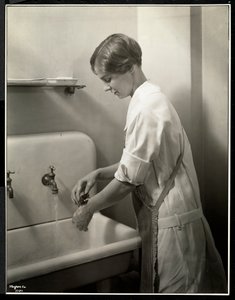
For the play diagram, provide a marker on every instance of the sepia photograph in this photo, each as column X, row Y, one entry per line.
column 117, row 148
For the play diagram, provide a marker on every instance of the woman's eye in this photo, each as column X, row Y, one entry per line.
column 108, row 79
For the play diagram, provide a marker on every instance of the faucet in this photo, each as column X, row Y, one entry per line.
column 9, row 187
column 49, row 180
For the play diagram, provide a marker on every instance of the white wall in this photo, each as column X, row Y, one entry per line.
column 50, row 41
column 164, row 33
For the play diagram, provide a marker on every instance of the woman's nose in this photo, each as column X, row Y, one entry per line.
column 107, row 88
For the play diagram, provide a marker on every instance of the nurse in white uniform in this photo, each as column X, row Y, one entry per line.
column 156, row 166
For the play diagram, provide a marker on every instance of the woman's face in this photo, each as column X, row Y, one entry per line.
column 120, row 85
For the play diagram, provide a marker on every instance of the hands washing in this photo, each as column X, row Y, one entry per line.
column 83, row 187
column 82, row 216
column 80, row 196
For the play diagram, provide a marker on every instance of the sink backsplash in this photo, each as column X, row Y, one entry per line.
column 72, row 154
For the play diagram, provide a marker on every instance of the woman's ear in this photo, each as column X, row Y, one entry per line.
column 132, row 69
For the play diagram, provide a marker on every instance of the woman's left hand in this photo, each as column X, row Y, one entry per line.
column 82, row 217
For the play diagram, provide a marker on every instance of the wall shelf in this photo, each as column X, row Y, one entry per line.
column 69, row 84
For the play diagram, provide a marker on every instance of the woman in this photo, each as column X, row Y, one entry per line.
column 178, row 251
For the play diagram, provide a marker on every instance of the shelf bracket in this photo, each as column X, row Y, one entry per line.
column 71, row 89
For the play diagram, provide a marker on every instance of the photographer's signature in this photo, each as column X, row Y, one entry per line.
column 17, row 288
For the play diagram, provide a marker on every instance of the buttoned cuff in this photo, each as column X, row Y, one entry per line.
column 132, row 169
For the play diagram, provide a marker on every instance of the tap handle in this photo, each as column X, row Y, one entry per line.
column 8, row 176
column 52, row 168
column 9, row 172
column 52, row 174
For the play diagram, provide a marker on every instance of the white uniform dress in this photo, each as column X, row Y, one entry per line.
column 178, row 251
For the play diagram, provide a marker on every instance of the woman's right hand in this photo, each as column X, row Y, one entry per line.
column 83, row 186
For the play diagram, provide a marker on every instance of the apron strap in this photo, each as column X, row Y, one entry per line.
column 171, row 179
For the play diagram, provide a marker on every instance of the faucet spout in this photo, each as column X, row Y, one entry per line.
column 10, row 192
column 54, row 187
column 49, row 180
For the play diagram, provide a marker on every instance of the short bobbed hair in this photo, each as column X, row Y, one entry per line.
column 116, row 54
